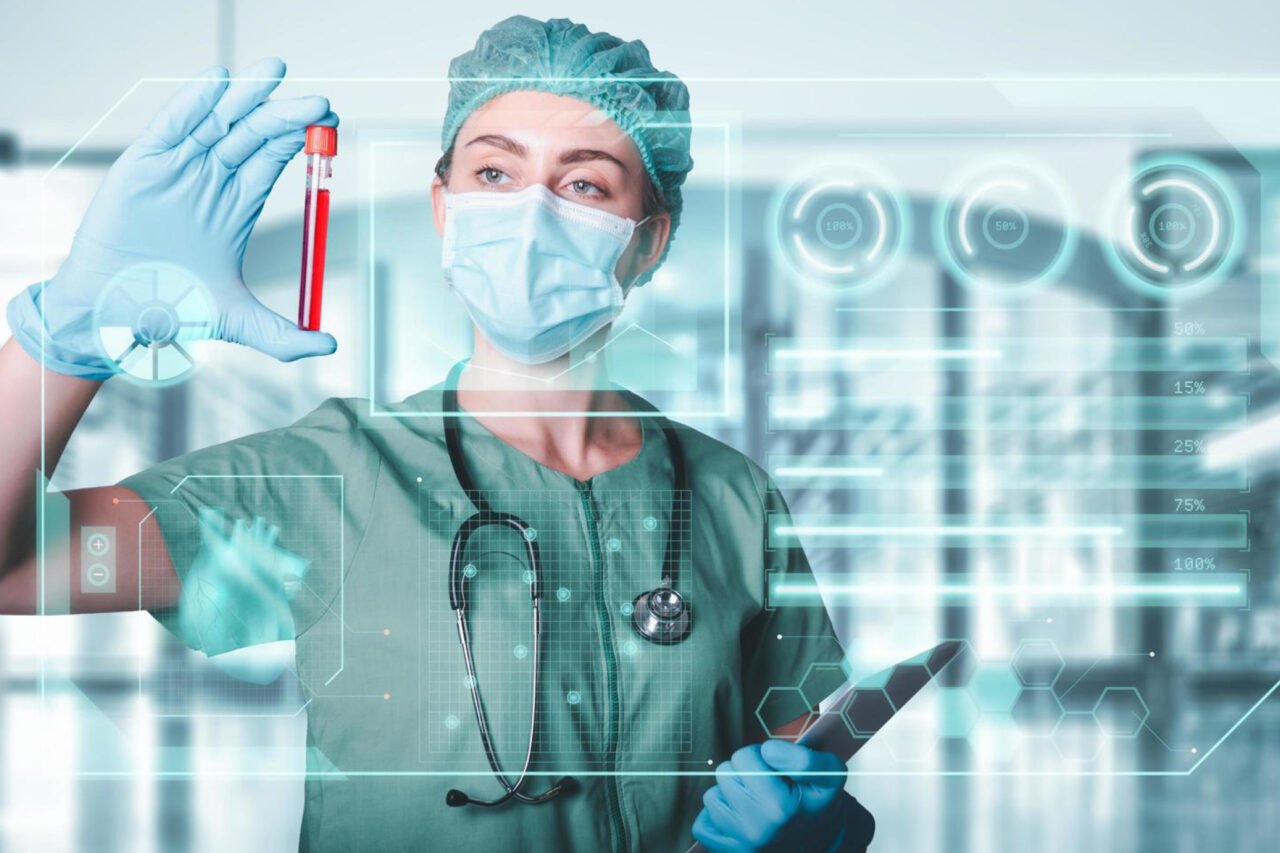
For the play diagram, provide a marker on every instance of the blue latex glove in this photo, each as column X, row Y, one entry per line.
column 186, row 193
column 238, row 589
column 755, row 805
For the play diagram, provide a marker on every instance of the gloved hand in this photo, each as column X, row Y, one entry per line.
column 187, row 192
column 776, row 812
column 238, row 589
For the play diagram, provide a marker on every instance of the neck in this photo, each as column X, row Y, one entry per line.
column 545, row 411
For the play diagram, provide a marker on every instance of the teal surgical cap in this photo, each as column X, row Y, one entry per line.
column 564, row 58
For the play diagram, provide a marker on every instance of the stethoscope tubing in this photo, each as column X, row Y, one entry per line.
column 485, row 516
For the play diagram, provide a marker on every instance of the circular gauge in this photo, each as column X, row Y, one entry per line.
column 1005, row 226
column 1176, row 227
column 840, row 227
column 147, row 317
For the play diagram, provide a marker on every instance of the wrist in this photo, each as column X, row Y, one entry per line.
column 63, row 343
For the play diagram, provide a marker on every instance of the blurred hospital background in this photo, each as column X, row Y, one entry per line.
column 1089, row 733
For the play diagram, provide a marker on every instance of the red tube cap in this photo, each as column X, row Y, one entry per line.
column 322, row 140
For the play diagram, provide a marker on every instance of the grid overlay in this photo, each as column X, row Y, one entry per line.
column 585, row 612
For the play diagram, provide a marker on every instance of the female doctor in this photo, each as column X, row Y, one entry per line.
column 454, row 718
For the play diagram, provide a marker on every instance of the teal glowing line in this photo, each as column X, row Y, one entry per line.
column 1183, row 470
column 964, row 590
column 996, row 134
column 887, row 354
column 1092, row 79
column 803, row 414
column 1022, row 309
column 639, row 774
column 1211, row 750
column 944, row 530
column 1010, row 413
column 372, row 214
column 1226, row 354
column 819, row 471
column 882, row 234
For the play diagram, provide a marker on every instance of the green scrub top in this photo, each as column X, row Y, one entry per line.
column 372, row 504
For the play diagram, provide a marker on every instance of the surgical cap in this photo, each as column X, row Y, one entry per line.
column 615, row 76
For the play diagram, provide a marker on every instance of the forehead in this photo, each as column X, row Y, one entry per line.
column 545, row 119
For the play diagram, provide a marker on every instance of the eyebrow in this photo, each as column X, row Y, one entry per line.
column 583, row 155
column 497, row 140
column 577, row 155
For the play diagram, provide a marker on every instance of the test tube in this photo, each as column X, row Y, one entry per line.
column 321, row 147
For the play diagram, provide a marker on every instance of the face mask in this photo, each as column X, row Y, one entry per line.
column 534, row 271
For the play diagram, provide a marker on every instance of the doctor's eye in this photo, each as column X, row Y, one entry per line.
column 587, row 188
column 490, row 175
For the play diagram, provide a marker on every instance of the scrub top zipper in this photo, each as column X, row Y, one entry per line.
column 603, row 617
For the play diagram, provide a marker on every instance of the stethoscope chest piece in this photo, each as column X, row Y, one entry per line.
column 662, row 616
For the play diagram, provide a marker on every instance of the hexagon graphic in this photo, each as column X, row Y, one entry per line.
column 820, row 680
column 1038, row 663
column 866, row 712
column 1078, row 737
column 1038, row 708
column 905, row 681
column 780, row 706
column 995, row 687
column 957, row 712
column 1121, row 711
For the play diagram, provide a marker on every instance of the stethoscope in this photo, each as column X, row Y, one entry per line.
column 660, row 615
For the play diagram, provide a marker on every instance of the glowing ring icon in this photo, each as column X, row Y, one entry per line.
column 882, row 228
column 983, row 231
column 841, row 232
column 1215, row 220
column 1177, row 226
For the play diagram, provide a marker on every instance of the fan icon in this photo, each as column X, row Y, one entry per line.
column 147, row 317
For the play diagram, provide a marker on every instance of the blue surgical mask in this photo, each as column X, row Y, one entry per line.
column 536, row 272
